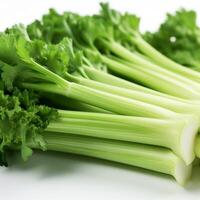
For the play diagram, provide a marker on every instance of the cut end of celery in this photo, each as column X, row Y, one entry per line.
column 182, row 172
column 187, row 140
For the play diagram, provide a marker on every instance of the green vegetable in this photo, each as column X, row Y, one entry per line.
column 23, row 123
column 21, row 114
column 127, row 24
column 59, row 27
column 178, row 38
column 46, row 67
column 127, row 28
column 140, row 107
column 110, row 32
column 172, row 104
column 109, row 79
column 147, row 157
column 54, row 27
column 21, row 119
column 133, row 129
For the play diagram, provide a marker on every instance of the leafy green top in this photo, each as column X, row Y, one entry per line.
column 22, row 59
column 83, row 31
column 88, row 33
column 22, row 121
column 178, row 38
column 53, row 27
column 109, row 24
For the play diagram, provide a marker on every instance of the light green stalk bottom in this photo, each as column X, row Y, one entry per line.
column 177, row 135
column 144, row 156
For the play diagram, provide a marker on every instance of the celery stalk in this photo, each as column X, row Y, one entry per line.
column 144, row 156
column 178, row 135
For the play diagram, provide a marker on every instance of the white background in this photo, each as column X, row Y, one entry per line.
column 61, row 176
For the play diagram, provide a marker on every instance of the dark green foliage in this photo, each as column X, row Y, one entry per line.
column 179, row 38
column 24, row 60
column 22, row 121
column 53, row 27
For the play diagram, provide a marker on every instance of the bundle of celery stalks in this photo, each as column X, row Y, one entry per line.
column 92, row 85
